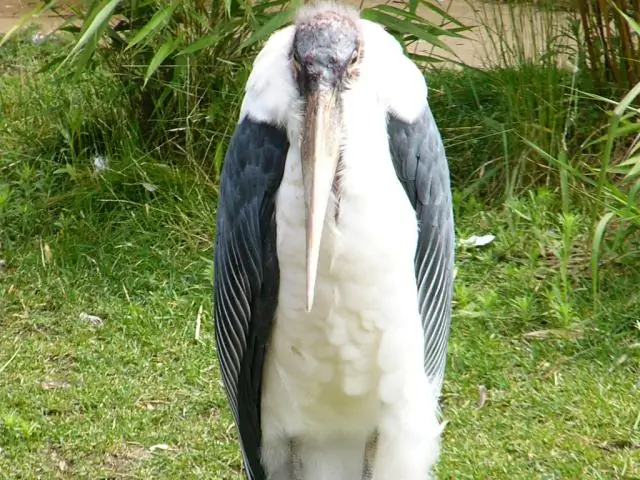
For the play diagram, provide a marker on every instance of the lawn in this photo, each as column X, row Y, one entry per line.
column 107, row 362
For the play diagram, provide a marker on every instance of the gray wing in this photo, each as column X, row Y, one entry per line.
column 421, row 166
column 246, row 273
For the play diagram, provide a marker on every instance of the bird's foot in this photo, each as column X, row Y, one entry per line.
column 295, row 461
column 370, row 456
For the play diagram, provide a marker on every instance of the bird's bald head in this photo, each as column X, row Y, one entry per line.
column 327, row 47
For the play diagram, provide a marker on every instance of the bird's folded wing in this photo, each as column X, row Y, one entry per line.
column 246, row 272
column 421, row 165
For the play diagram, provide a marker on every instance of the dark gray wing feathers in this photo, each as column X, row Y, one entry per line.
column 246, row 273
column 421, row 166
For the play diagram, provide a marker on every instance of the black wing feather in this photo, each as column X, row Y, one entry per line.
column 247, row 274
column 421, row 166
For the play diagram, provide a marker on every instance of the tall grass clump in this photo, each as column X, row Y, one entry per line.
column 183, row 64
column 602, row 177
column 528, row 121
column 611, row 37
column 538, row 65
column 612, row 47
column 528, row 87
column 130, row 101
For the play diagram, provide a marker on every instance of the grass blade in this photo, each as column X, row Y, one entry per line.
column 204, row 42
column 444, row 14
column 99, row 21
column 158, row 20
column 564, row 182
column 163, row 52
column 632, row 23
column 627, row 100
column 277, row 21
column 404, row 27
column 410, row 17
column 598, row 238
column 635, row 169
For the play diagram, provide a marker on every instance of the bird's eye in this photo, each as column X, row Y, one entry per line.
column 296, row 57
column 354, row 59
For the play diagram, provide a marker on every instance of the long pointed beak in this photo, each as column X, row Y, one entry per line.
column 319, row 150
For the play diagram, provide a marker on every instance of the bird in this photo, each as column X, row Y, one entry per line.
column 333, row 257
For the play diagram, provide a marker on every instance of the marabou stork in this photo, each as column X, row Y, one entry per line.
column 334, row 258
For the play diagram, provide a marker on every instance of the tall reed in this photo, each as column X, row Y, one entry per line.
column 613, row 45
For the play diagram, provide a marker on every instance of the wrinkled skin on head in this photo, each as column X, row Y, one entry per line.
column 326, row 47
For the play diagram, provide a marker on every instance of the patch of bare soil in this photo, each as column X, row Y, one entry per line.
column 116, row 463
column 11, row 11
column 494, row 27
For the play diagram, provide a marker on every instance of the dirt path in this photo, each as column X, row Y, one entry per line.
column 12, row 10
column 523, row 27
column 478, row 49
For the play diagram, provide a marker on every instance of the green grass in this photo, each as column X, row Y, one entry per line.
column 561, row 400
column 139, row 396
column 84, row 400
column 551, row 5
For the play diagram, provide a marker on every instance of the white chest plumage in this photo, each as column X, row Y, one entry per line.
column 330, row 372
column 329, row 363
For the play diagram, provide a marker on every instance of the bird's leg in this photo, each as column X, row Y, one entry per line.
column 370, row 456
column 295, row 462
